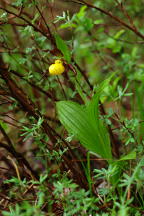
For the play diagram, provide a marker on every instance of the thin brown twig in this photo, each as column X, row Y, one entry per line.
column 19, row 158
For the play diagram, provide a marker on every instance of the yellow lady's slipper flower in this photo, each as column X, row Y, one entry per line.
column 57, row 68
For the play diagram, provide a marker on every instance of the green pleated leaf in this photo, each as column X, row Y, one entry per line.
column 84, row 123
column 102, row 133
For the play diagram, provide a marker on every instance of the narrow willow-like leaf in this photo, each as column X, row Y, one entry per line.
column 78, row 120
column 61, row 45
column 129, row 156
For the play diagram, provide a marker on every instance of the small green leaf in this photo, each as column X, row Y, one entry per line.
column 61, row 45
column 119, row 33
column 82, row 12
column 130, row 156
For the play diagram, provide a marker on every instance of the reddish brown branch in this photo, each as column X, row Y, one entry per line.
column 117, row 19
